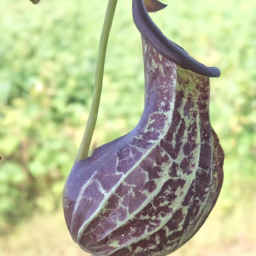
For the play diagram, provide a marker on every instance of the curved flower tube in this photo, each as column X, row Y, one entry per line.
column 164, row 46
column 148, row 192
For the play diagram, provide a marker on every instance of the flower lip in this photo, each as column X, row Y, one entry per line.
column 166, row 47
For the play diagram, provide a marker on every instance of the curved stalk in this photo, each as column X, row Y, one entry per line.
column 88, row 133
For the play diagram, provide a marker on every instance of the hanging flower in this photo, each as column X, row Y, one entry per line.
column 148, row 192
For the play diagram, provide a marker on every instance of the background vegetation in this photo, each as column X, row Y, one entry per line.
column 47, row 61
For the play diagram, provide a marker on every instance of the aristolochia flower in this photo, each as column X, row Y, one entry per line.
column 148, row 192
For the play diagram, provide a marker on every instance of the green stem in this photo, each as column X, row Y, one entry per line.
column 88, row 133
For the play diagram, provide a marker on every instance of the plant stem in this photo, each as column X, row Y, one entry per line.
column 88, row 133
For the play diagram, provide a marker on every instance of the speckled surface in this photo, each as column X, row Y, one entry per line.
column 148, row 192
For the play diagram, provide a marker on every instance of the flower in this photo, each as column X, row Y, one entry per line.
column 148, row 192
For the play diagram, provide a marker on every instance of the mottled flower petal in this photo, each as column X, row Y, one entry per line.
column 148, row 192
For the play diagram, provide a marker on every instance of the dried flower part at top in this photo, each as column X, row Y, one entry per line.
column 35, row 1
column 153, row 5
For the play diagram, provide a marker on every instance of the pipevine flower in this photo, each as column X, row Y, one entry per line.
column 148, row 192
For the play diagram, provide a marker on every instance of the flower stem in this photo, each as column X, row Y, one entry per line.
column 88, row 133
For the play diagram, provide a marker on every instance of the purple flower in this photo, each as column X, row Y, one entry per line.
column 148, row 192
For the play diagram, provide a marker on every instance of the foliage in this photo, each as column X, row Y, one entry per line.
column 47, row 60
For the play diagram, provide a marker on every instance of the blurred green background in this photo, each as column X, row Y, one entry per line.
column 47, row 61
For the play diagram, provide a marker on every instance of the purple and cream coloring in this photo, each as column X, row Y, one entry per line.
column 148, row 192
